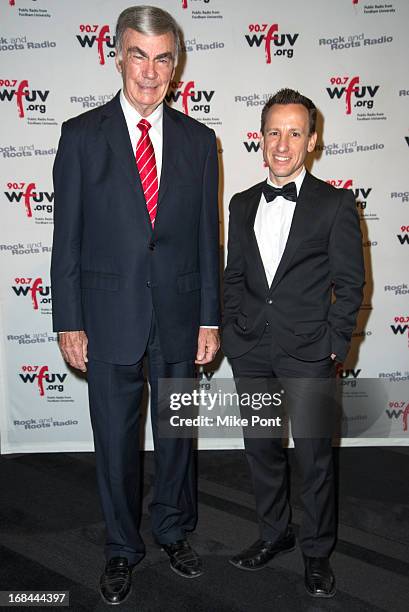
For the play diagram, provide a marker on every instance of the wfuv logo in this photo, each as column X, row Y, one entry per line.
column 404, row 236
column 30, row 197
column 27, row 100
column 355, row 94
column 42, row 378
column 361, row 193
column 252, row 143
column 191, row 98
column 399, row 410
column 100, row 36
column 401, row 327
column 34, row 289
column 348, row 373
column 275, row 42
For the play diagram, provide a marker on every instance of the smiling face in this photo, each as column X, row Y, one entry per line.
column 147, row 64
column 286, row 141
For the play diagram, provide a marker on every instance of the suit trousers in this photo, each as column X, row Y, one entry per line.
column 115, row 394
column 261, row 367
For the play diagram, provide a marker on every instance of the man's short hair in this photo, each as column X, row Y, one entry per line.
column 290, row 96
column 148, row 20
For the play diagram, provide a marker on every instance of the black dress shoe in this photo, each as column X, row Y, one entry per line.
column 183, row 559
column 319, row 577
column 115, row 583
column 262, row 552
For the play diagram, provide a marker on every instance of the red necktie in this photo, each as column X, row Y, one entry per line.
column 146, row 163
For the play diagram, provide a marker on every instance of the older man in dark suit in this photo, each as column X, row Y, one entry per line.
column 294, row 241
column 135, row 274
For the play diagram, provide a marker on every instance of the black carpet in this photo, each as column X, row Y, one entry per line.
column 51, row 537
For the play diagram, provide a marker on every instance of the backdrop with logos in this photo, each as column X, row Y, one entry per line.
column 349, row 56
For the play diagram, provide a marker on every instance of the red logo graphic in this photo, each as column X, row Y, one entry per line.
column 101, row 39
column 184, row 4
column 340, row 183
column 28, row 193
column 41, row 374
column 12, row 2
column 176, row 93
column 364, row 94
column 282, row 43
column 21, row 92
column 33, row 287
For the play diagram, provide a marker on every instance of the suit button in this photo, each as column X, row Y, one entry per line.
column 269, row 301
column 151, row 246
column 148, row 284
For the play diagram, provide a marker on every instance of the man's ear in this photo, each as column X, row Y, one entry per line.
column 312, row 139
column 118, row 62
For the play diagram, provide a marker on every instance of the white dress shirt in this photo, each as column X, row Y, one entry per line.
column 132, row 118
column 272, row 227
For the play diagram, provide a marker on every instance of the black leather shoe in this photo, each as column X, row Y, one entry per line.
column 116, row 581
column 183, row 559
column 319, row 578
column 262, row 552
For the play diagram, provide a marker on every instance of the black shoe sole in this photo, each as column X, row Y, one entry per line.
column 260, row 567
column 321, row 595
column 115, row 603
column 179, row 573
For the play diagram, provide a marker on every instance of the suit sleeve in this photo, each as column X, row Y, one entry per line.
column 66, row 251
column 348, row 274
column 234, row 272
column 209, row 249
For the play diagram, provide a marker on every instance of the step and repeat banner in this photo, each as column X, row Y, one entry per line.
column 348, row 56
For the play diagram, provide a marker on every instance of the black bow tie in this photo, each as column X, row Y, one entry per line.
column 289, row 192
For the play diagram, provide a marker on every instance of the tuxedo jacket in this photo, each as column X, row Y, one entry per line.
column 110, row 271
column 322, row 259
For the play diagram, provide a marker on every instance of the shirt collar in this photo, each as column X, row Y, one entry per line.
column 298, row 181
column 133, row 117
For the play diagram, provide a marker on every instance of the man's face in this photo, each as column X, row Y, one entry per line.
column 147, row 64
column 286, row 141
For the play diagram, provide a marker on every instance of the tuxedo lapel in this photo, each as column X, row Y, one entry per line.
column 253, row 250
column 303, row 214
column 114, row 127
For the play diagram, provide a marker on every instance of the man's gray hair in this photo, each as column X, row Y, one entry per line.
column 148, row 20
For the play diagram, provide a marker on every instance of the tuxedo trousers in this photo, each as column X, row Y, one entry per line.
column 264, row 368
column 115, row 395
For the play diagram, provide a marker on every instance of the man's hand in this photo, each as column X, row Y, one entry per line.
column 208, row 344
column 73, row 346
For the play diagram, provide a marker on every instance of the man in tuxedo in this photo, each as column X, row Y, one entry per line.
column 294, row 245
column 135, row 274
